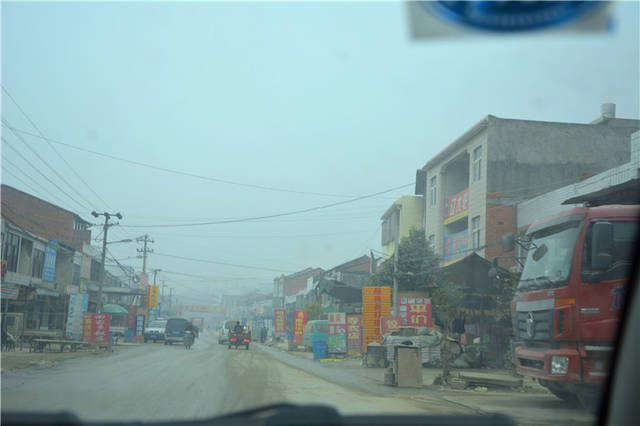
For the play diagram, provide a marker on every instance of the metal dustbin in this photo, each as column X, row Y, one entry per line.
column 407, row 366
column 319, row 350
column 128, row 336
column 376, row 355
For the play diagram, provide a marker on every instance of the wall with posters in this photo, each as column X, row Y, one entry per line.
column 415, row 310
column 337, row 342
column 280, row 320
column 376, row 303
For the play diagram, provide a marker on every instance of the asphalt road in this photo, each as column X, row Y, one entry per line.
column 158, row 382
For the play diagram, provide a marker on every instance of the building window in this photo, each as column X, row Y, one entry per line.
column 10, row 249
column 477, row 163
column 434, row 190
column 37, row 266
column 475, row 232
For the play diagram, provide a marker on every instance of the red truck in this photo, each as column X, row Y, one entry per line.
column 570, row 295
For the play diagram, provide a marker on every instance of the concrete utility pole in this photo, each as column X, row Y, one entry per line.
column 145, row 238
column 105, row 229
column 396, row 249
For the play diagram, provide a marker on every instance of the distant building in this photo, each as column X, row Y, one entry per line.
column 472, row 187
column 286, row 287
column 405, row 214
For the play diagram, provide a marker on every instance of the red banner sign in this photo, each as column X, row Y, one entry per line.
column 416, row 311
column 299, row 322
column 389, row 324
column 280, row 320
column 457, row 206
column 354, row 334
column 95, row 329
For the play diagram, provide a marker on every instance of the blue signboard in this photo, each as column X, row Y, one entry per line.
column 49, row 270
column 455, row 246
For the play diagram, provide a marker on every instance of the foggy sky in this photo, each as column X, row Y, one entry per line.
column 326, row 98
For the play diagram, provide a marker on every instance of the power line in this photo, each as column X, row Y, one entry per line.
column 50, row 167
column 183, row 173
column 255, row 218
column 258, row 268
column 205, row 277
column 259, row 237
column 42, row 174
column 53, row 147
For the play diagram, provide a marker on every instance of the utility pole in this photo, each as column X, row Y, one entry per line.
column 105, row 229
column 396, row 249
column 145, row 239
column 155, row 273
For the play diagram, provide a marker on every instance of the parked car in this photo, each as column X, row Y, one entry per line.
column 174, row 330
column 315, row 331
column 155, row 331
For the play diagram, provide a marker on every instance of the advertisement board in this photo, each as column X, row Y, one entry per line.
column 455, row 246
column 354, row 334
column 337, row 343
column 78, row 305
column 376, row 303
column 49, row 269
column 280, row 320
column 139, row 324
column 153, row 296
column 416, row 311
column 95, row 329
column 457, row 206
column 300, row 320
column 389, row 324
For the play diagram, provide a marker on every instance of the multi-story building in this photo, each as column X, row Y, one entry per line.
column 472, row 187
column 405, row 214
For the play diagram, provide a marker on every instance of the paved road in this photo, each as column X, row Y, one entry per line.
column 157, row 382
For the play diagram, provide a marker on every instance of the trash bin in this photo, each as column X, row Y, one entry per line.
column 376, row 355
column 319, row 350
column 128, row 336
column 407, row 366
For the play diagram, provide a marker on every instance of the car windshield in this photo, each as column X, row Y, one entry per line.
column 339, row 178
column 550, row 257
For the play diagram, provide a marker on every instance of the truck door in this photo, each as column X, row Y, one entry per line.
column 602, row 288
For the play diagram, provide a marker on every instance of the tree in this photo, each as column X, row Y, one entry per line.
column 418, row 264
column 446, row 300
column 314, row 311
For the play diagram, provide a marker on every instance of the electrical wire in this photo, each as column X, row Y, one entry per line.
column 49, row 166
column 258, row 268
column 256, row 218
column 4, row 89
column 40, row 172
column 183, row 173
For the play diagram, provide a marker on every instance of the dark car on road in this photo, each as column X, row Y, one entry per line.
column 174, row 332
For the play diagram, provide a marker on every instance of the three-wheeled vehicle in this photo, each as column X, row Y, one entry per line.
column 239, row 338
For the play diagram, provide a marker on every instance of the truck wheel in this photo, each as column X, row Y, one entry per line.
column 564, row 395
column 589, row 400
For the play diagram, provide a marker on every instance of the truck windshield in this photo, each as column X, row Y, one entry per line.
column 550, row 256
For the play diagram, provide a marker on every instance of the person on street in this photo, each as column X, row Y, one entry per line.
column 238, row 328
column 191, row 328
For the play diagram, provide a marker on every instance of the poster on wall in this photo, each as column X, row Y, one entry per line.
column 49, row 268
column 354, row 334
column 95, row 329
column 376, row 303
column 337, row 342
column 300, row 321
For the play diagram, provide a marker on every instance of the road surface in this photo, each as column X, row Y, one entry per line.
column 158, row 382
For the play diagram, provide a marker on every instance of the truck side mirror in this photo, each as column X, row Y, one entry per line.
column 601, row 245
column 508, row 242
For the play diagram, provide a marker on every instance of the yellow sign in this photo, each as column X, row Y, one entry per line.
column 153, row 296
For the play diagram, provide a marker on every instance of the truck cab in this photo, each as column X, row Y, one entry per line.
column 570, row 296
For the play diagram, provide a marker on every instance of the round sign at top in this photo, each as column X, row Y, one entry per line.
column 512, row 15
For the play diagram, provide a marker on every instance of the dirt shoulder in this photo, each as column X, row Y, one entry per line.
column 16, row 360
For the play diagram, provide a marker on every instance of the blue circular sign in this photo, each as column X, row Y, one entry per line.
column 512, row 15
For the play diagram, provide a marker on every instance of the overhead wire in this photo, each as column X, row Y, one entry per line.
column 188, row 174
column 258, row 268
column 256, row 218
column 50, row 167
column 41, row 173
column 80, row 178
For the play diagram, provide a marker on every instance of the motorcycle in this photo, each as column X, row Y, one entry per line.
column 188, row 339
